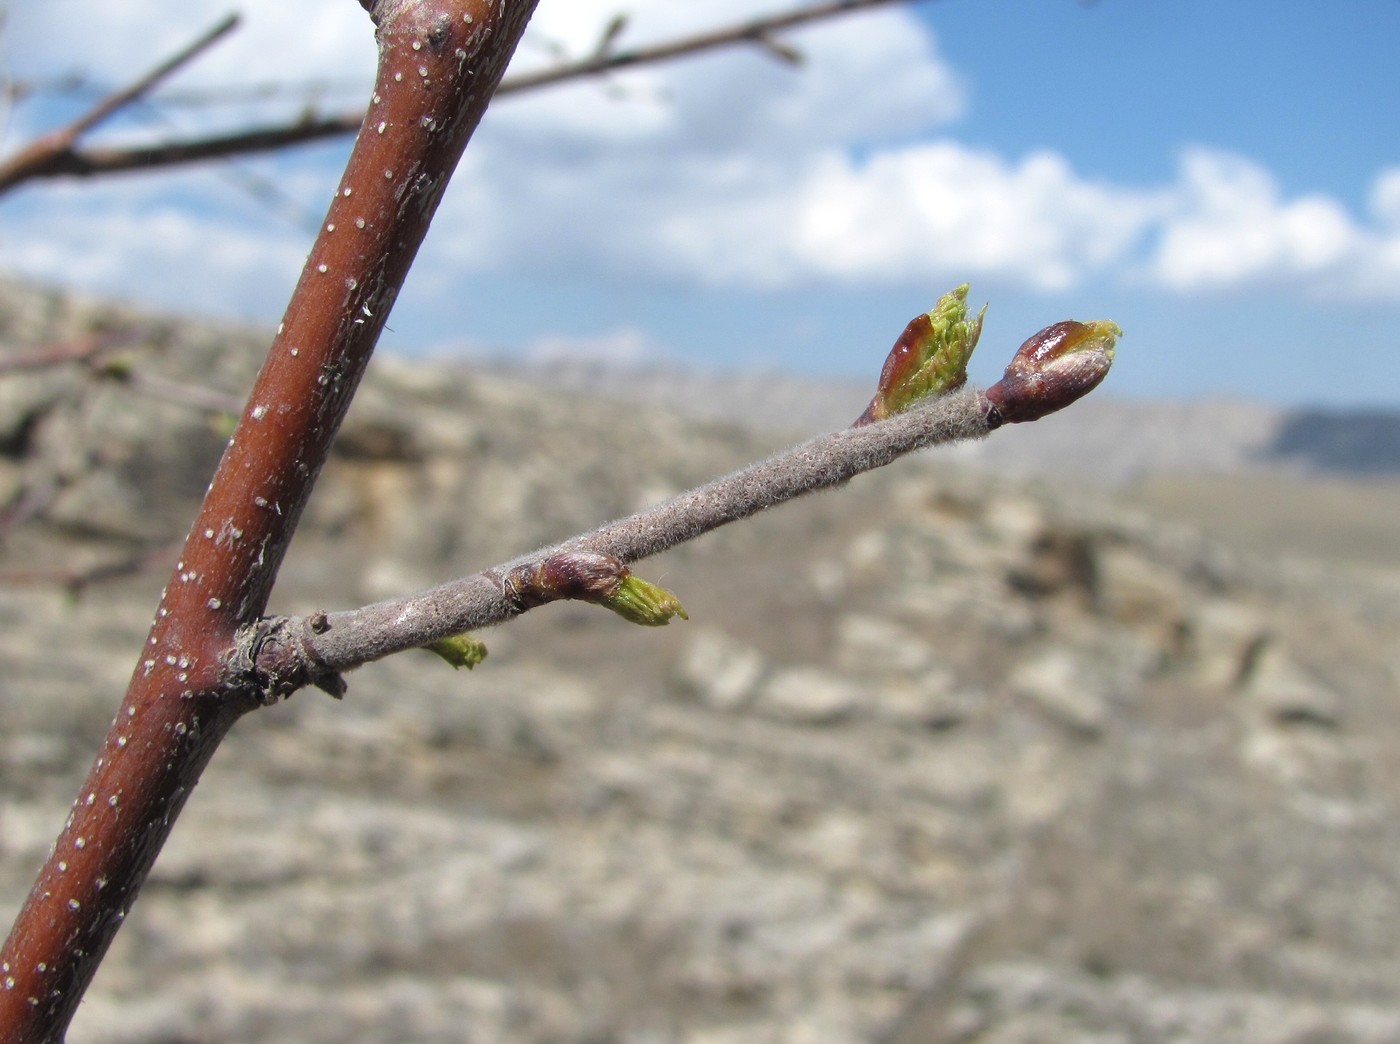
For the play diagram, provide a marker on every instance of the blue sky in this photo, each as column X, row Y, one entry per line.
column 1222, row 179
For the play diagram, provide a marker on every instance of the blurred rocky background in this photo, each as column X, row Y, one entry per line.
column 1086, row 733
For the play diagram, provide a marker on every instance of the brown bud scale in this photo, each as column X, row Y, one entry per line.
column 578, row 575
column 1052, row 369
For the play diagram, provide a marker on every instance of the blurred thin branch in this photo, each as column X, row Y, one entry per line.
column 58, row 154
column 76, row 581
column 44, row 482
column 95, row 350
column 43, row 154
column 81, row 349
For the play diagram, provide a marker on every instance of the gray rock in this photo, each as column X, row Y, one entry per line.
column 807, row 695
column 1288, row 694
column 724, row 673
column 1057, row 683
column 1225, row 636
column 875, row 645
column 759, row 825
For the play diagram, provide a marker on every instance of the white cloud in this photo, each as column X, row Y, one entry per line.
column 734, row 171
column 955, row 209
column 690, row 171
column 1385, row 198
column 1229, row 225
column 625, row 345
column 747, row 213
column 903, row 215
column 132, row 237
column 730, row 169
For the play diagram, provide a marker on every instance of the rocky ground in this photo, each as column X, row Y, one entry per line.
column 942, row 756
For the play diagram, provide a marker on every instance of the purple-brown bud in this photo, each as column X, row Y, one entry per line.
column 1052, row 369
column 587, row 576
column 582, row 575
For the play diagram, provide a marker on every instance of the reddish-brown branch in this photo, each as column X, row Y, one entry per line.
column 91, row 162
column 440, row 61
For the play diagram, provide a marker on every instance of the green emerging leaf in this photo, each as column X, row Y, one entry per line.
column 461, row 650
column 930, row 358
column 641, row 602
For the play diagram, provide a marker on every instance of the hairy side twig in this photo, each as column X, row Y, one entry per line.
column 1050, row 370
column 289, row 653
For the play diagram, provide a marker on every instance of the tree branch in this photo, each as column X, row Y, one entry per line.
column 759, row 32
column 92, row 162
column 76, row 581
column 50, row 151
column 287, row 653
column 439, row 64
column 211, row 657
column 924, row 374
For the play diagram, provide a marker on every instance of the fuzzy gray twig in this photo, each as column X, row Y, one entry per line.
column 289, row 652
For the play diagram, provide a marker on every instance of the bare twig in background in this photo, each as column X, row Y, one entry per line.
column 94, row 352
column 182, row 393
column 42, row 485
column 31, row 500
column 76, row 581
column 48, row 154
column 87, row 349
column 759, row 32
column 71, row 161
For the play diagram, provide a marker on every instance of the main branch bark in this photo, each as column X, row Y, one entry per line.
column 440, row 62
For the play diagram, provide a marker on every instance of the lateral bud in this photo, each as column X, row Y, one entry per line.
column 587, row 576
column 642, row 602
column 460, row 650
column 929, row 359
